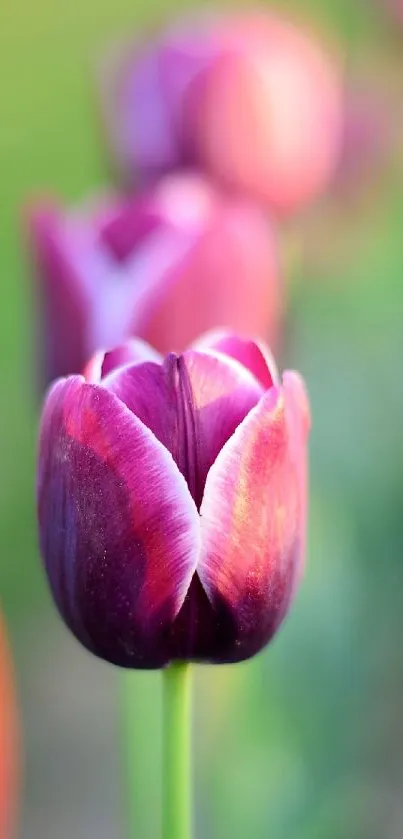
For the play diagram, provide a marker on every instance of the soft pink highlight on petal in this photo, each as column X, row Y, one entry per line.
column 229, row 277
column 252, row 519
column 92, row 372
column 188, row 201
column 252, row 354
column 251, row 459
column 272, row 89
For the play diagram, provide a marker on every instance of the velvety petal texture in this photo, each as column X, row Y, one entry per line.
column 253, row 497
column 172, row 501
column 165, row 266
column 250, row 98
column 118, row 529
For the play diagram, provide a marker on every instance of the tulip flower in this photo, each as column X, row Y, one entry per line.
column 172, row 501
column 248, row 97
column 167, row 265
column 8, row 741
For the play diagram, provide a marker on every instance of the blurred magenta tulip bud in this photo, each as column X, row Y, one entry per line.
column 166, row 266
column 9, row 741
column 249, row 97
column 172, row 501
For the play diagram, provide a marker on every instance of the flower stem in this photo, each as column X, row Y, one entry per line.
column 176, row 804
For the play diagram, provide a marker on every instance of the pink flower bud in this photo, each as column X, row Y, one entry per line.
column 172, row 501
column 250, row 98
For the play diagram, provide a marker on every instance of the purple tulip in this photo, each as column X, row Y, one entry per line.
column 166, row 266
column 248, row 97
column 172, row 501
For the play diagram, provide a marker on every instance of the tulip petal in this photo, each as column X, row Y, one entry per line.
column 150, row 140
column 64, row 297
column 133, row 351
column 251, row 529
column 253, row 354
column 119, row 531
column 223, row 393
column 192, row 403
column 228, row 276
column 299, row 423
column 131, row 223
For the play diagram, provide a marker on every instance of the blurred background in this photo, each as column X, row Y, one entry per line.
column 307, row 739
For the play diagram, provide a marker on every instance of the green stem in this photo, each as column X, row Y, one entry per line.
column 176, row 804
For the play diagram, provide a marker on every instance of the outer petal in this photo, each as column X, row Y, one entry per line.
column 192, row 403
column 223, row 393
column 119, row 531
column 64, row 299
column 133, row 351
column 228, row 278
column 251, row 517
column 125, row 288
column 129, row 225
column 299, row 423
column 252, row 354
column 183, row 202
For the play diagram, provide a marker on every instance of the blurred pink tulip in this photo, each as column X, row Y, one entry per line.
column 164, row 266
column 249, row 97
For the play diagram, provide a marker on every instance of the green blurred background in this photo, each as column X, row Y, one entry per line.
column 307, row 740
